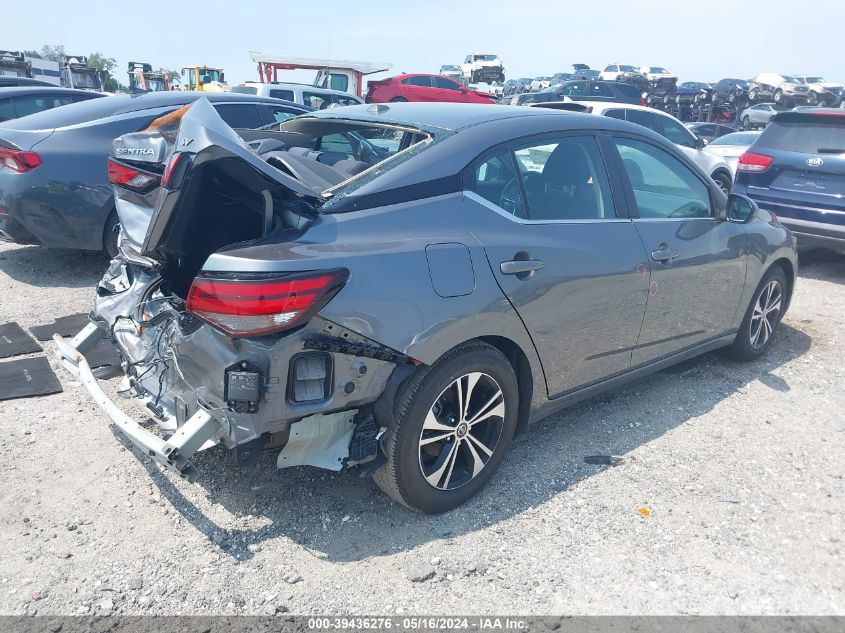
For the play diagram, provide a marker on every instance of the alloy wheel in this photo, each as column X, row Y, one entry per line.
column 766, row 314
column 461, row 431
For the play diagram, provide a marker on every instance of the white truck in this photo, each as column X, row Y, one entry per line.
column 479, row 67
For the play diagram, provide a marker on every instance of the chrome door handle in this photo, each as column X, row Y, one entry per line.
column 518, row 267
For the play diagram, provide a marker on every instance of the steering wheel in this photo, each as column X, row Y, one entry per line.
column 511, row 196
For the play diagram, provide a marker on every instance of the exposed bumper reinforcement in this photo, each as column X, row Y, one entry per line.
column 174, row 453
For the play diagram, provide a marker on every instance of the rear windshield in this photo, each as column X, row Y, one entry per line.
column 809, row 135
column 71, row 114
column 736, row 138
column 627, row 69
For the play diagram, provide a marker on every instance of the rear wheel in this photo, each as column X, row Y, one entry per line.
column 778, row 96
column 110, row 232
column 813, row 98
column 398, row 99
column 453, row 424
column 761, row 318
column 746, row 123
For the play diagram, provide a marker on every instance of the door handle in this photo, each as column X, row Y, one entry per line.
column 520, row 266
column 664, row 254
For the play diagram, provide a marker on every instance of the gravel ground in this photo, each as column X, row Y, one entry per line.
column 738, row 468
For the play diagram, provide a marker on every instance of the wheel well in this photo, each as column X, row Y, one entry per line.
column 789, row 271
column 721, row 172
column 522, row 369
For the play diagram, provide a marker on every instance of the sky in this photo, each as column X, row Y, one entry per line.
column 700, row 41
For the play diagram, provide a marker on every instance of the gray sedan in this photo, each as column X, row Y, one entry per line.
column 408, row 313
column 757, row 116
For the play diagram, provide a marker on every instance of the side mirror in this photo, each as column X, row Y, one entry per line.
column 740, row 208
column 700, row 143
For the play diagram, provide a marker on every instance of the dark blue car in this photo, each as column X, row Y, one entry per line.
column 796, row 169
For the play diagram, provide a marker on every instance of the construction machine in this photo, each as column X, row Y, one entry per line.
column 143, row 79
column 204, row 78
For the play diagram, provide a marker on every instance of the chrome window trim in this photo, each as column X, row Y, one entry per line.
column 494, row 207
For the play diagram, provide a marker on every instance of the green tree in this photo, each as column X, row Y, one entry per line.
column 52, row 52
column 106, row 66
column 173, row 76
column 34, row 54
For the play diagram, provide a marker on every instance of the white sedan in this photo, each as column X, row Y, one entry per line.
column 731, row 146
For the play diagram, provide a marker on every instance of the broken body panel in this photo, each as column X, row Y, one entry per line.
column 179, row 366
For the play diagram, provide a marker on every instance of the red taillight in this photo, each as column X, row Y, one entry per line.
column 19, row 161
column 131, row 178
column 753, row 162
column 261, row 305
column 171, row 166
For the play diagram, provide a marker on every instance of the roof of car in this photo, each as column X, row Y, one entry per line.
column 19, row 91
column 292, row 84
column 447, row 116
column 22, row 81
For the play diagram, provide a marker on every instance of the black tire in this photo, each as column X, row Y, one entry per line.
column 746, row 123
column 752, row 95
column 813, row 98
column 398, row 100
column 743, row 347
column 724, row 181
column 402, row 476
column 778, row 96
column 110, row 232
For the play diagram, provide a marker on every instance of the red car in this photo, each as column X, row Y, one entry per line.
column 424, row 88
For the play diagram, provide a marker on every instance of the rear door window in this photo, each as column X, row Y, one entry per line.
column 423, row 81
column 7, row 110
column 287, row 95
column 240, row 115
column 445, row 84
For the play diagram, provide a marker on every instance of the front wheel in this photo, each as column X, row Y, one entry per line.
column 757, row 330
column 398, row 100
column 778, row 96
column 813, row 98
column 453, row 423
column 746, row 123
column 724, row 181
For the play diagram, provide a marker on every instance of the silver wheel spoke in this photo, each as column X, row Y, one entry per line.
column 774, row 307
column 477, row 464
column 436, row 438
column 489, row 410
column 472, row 381
column 432, row 424
column 474, row 440
column 446, row 460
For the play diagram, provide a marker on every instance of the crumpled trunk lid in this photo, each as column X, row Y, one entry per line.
column 218, row 192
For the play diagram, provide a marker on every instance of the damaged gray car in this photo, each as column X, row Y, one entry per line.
column 404, row 287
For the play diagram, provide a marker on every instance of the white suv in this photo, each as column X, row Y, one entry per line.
column 483, row 67
column 664, row 124
column 303, row 94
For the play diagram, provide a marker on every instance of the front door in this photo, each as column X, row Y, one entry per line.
column 697, row 261
column 573, row 268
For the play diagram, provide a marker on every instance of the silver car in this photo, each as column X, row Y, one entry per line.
column 757, row 116
column 408, row 309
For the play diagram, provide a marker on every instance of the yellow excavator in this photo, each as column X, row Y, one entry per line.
column 204, row 78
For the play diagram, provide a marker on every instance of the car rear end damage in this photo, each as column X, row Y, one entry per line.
column 233, row 353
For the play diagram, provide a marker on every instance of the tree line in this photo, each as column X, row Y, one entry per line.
column 106, row 65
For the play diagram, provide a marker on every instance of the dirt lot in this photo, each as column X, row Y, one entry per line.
column 740, row 467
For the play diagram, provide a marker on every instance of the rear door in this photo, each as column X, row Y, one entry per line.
column 419, row 88
column 697, row 261
column 564, row 253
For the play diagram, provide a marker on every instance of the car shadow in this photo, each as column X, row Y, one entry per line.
column 822, row 264
column 53, row 267
column 341, row 517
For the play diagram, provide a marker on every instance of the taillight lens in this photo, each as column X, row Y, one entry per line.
column 754, row 163
column 259, row 304
column 170, row 168
column 130, row 177
column 19, row 161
